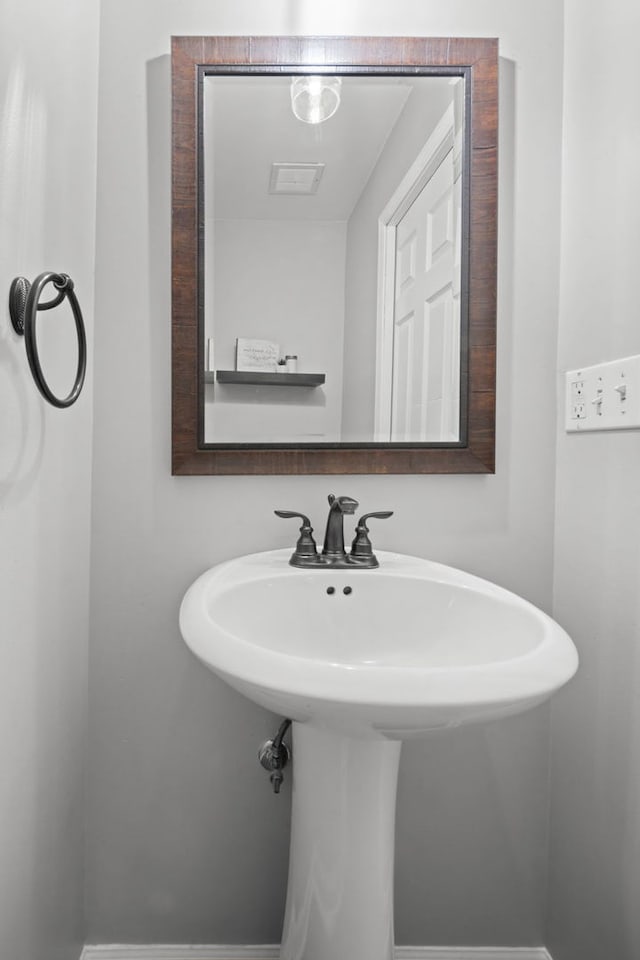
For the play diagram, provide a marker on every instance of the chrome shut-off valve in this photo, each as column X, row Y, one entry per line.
column 274, row 755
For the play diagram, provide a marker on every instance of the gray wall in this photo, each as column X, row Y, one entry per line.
column 595, row 839
column 178, row 845
column 268, row 286
column 48, row 126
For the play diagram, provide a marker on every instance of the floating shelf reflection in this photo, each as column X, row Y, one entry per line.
column 265, row 379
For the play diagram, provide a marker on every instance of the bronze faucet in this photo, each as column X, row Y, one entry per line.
column 333, row 549
column 333, row 552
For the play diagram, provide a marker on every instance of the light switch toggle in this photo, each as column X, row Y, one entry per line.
column 621, row 389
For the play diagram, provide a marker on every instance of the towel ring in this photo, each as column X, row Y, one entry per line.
column 24, row 302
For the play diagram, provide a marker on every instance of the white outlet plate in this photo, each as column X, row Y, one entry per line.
column 603, row 397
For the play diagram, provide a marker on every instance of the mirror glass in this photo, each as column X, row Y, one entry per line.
column 333, row 232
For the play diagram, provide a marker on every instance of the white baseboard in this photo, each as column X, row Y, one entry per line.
column 117, row 951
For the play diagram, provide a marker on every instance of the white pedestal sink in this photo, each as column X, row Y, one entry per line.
column 361, row 660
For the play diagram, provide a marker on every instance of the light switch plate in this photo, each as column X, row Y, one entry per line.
column 603, row 397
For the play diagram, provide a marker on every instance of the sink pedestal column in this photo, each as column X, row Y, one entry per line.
column 340, row 890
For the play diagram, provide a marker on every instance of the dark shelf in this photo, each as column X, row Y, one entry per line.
column 266, row 379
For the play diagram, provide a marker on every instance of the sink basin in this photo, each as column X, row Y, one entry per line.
column 391, row 652
column 361, row 660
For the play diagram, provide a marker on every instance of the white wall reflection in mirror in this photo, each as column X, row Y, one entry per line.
column 340, row 242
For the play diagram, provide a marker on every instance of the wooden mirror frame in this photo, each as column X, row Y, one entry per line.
column 477, row 61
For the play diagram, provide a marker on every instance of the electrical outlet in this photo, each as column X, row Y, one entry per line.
column 603, row 397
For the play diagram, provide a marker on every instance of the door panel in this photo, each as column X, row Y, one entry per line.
column 426, row 376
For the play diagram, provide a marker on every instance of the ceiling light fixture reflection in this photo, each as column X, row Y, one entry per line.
column 315, row 99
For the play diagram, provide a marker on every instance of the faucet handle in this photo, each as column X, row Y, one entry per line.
column 306, row 545
column 361, row 548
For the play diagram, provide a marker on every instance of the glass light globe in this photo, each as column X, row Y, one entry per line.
column 315, row 99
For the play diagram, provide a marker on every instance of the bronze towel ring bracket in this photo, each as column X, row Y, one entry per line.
column 24, row 303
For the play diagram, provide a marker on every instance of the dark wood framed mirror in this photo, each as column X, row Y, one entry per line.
column 375, row 410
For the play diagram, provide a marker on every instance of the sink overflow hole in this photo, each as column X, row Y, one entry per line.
column 347, row 591
column 331, row 590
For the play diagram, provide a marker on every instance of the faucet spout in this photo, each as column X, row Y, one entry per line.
column 334, row 536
